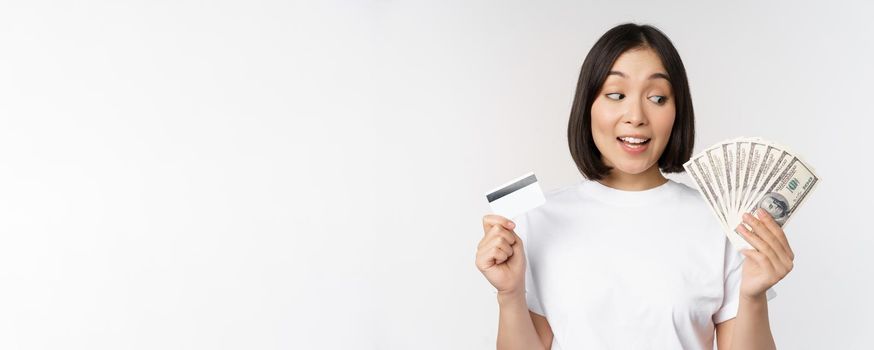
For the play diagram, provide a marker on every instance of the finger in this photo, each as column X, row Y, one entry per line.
column 508, row 235
column 502, row 244
column 769, row 222
column 517, row 241
column 760, row 245
column 484, row 259
column 499, row 255
column 498, row 231
column 517, row 247
column 766, row 235
column 776, row 231
column 499, row 242
column 492, row 220
column 763, row 261
column 758, row 257
column 487, row 257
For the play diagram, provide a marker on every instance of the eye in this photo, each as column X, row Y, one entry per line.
column 658, row 99
column 615, row 96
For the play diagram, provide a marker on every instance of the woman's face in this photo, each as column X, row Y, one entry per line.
column 633, row 114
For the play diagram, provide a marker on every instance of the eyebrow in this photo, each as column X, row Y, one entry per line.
column 653, row 76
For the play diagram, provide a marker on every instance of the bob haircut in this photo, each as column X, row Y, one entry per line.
column 597, row 65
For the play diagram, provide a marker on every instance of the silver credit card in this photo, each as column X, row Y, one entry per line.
column 516, row 197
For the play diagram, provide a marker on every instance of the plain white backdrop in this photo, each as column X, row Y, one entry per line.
column 311, row 175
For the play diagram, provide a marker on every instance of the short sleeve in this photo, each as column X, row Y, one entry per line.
column 532, row 296
column 733, row 270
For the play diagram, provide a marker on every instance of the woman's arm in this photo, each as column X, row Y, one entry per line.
column 515, row 326
column 751, row 329
column 500, row 256
column 770, row 261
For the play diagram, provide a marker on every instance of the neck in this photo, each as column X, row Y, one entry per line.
column 648, row 179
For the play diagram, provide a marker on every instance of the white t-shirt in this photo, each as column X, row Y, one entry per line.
column 613, row 269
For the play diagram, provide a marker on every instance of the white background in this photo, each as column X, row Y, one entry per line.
column 274, row 175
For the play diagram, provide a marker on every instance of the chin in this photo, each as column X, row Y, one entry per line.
column 632, row 169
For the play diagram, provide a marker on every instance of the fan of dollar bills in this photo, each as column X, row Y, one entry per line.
column 741, row 175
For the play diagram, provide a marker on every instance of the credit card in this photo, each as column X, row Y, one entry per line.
column 516, row 197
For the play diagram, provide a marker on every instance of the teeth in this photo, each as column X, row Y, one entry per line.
column 633, row 139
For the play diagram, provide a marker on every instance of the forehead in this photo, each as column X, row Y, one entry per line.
column 639, row 62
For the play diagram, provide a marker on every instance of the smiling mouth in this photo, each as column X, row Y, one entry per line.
column 633, row 141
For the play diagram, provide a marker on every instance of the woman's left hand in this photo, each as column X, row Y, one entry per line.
column 770, row 261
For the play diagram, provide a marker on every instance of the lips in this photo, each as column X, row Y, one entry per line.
column 634, row 140
column 635, row 144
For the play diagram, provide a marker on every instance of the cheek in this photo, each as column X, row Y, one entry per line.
column 602, row 120
column 663, row 122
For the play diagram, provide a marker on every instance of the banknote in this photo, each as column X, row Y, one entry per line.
column 744, row 174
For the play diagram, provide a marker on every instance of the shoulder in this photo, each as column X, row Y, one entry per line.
column 698, row 212
column 684, row 189
column 564, row 193
column 558, row 202
column 688, row 195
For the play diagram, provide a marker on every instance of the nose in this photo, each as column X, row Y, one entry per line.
column 635, row 114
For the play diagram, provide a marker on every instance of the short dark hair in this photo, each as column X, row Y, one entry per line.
column 593, row 73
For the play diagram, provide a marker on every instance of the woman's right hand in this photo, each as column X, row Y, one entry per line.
column 500, row 255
